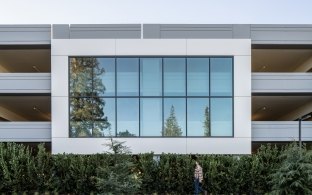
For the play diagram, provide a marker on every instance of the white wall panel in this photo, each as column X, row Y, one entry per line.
column 151, row 47
column 242, row 76
column 242, row 117
column 59, row 76
column 219, row 47
column 82, row 47
column 60, row 117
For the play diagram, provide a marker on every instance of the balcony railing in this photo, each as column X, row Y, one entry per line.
column 281, row 131
column 281, row 82
column 25, row 131
column 25, row 82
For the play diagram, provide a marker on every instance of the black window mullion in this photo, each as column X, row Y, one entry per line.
column 162, row 95
column 209, row 114
column 116, row 127
column 139, row 97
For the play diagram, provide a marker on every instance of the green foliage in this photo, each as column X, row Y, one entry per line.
column 294, row 176
column 172, row 127
column 87, row 114
column 120, row 175
column 270, row 170
column 207, row 123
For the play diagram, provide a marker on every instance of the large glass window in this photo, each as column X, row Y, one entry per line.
column 151, row 96
column 127, row 76
column 174, row 76
column 127, row 117
column 151, row 116
column 174, row 117
column 198, row 76
column 151, row 76
column 221, row 117
column 198, row 117
column 221, row 76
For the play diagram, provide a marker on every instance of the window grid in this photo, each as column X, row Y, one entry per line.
column 162, row 97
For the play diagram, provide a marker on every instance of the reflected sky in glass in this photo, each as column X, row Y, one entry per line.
column 128, row 115
column 196, row 116
column 221, row 117
column 174, row 76
column 127, row 76
column 151, row 76
column 108, row 77
column 109, row 112
column 151, row 116
column 179, row 108
column 198, row 76
column 221, row 76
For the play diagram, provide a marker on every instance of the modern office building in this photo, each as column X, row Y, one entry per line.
column 173, row 88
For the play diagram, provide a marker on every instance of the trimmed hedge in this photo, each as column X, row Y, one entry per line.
column 25, row 170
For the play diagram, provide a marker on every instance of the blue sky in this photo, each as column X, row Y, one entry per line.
column 155, row 11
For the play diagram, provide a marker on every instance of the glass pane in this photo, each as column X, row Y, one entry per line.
column 174, row 76
column 80, row 80
column 107, row 66
column 221, row 117
column 198, row 76
column 127, row 76
column 151, row 117
column 151, row 76
column 198, row 117
column 107, row 121
column 127, row 117
column 81, row 117
column 174, row 117
column 221, row 76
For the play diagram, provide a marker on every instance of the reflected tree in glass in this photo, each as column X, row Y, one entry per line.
column 207, row 123
column 86, row 107
column 172, row 127
column 125, row 134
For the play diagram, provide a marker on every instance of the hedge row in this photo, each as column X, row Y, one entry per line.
column 269, row 170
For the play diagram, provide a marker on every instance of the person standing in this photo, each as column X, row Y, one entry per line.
column 198, row 178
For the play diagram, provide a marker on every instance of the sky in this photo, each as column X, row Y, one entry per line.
column 155, row 11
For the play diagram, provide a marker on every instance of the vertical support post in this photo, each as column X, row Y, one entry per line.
column 300, row 142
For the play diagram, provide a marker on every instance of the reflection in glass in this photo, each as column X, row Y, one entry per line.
column 221, row 117
column 151, row 76
column 127, row 76
column 81, row 82
column 108, row 76
column 198, row 117
column 83, row 113
column 174, row 76
column 198, row 76
column 151, row 116
column 174, row 117
column 221, row 76
column 128, row 116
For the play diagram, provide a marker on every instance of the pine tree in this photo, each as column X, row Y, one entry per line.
column 172, row 127
column 207, row 123
column 86, row 107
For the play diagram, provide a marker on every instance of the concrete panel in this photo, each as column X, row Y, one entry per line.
column 281, row 34
column 59, row 76
column 151, row 31
column 60, row 31
column 105, row 31
column 242, row 76
column 241, row 31
column 306, row 131
column 282, row 82
column 219, row 145
column 242, row 117
column 60, row 117
column 153, row 47
column 219, row 47
column 275, row 130
column 156, row 145
column 25, row 34
column 83, row 47
column 25, row 83
column 196, row 31
column 25, row 131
